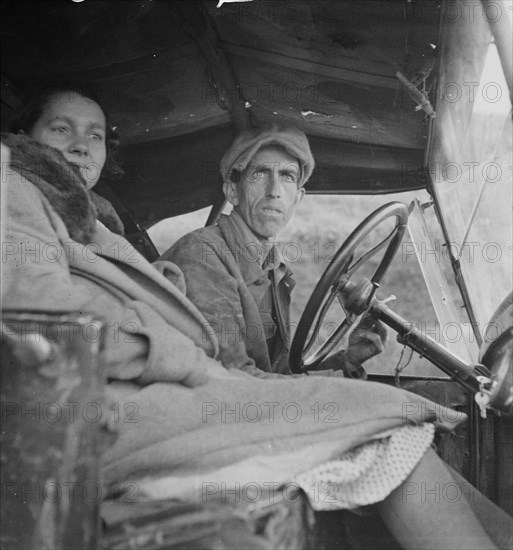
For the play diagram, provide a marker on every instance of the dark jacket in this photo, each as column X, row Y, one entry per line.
column 227, row 271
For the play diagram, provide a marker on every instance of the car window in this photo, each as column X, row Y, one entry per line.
column 470, row 161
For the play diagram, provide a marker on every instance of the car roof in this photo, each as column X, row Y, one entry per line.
column 181, row 78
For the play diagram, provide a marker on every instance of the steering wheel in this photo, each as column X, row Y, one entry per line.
column 304, row 354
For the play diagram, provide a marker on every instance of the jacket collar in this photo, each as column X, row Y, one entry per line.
column 61, row 183
column 252, row 256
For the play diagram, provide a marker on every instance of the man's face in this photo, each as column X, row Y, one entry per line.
column 75, row 126
column 268, row 192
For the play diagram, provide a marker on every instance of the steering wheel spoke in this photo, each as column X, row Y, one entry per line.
column 320, row 318
column 369, row 254
column 304, row 354
column 333, row 340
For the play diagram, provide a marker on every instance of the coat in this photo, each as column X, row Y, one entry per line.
column 226, row 281
column 197, row 422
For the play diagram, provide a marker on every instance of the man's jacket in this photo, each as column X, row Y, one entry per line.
column 226, row 280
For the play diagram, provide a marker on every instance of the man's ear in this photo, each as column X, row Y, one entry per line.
column 299, row 195
column 230, row 192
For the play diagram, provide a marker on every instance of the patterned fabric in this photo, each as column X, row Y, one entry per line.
column 369, row 473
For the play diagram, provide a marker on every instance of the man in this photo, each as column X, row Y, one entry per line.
column 234, row 272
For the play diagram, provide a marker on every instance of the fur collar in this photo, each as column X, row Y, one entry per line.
column 63, row 186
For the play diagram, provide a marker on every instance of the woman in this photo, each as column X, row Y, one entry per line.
column 54, row 115
column 194, row 421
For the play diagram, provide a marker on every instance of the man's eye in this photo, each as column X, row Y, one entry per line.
column 60, row 129
column 257, row 175
column 97, row 137
column 290, row 178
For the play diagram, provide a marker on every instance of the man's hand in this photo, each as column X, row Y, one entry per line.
column 367, row 340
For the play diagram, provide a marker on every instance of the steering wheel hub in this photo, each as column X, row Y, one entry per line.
column 358, row 296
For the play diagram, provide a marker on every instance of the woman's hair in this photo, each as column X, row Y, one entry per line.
column 25, row 119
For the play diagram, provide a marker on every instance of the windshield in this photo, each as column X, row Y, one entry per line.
column 471, row 157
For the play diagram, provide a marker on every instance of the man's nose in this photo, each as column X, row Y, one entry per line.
column 273, row 185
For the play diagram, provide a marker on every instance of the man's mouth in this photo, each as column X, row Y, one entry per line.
column 271, row 210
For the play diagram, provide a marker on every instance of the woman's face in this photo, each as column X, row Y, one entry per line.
column 76, row 126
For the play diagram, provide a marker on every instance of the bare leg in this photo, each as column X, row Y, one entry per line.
column 495, row 521
column 422, row 513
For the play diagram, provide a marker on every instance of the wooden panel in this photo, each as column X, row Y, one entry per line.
column 326, row 106
column 84, row 35
column 364, row 37
column 504, row 460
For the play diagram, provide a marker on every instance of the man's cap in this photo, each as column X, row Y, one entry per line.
column 248, row 143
